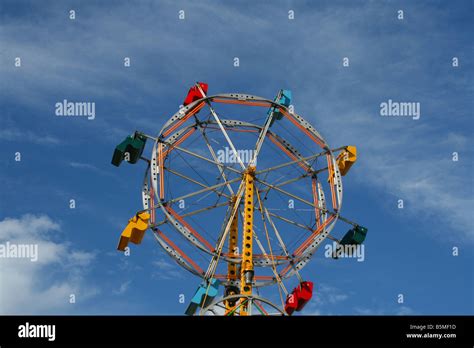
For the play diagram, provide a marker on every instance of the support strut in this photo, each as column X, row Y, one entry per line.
column 247, row 271
column 232, row 267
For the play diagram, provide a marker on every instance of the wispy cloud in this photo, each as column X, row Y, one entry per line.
column 19, row 136
column 327, row 300
column 387, row 310
column 166, row 270
column 401, row 158
column 123, row 288
column 406, row 162
column 91, row 167
column 324, row 299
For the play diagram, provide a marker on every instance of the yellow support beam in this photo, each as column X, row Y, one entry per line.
column 247, row 271
column 233, row 250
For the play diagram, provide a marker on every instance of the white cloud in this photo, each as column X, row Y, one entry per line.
column 166, row 270
column 329, row 294
column 82, row 165
column 163, row 265
column 404, row 160
column 90, row 167
column 81, row 258
column 123, row 288
column 324, row 298
column 389, row 310
column 28, row 136
column 405, row 310
column 45, row 286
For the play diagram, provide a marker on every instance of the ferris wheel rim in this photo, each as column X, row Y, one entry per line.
column 180, row 116
column 256, row 200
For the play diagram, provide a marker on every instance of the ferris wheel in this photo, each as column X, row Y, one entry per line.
column 240, row 191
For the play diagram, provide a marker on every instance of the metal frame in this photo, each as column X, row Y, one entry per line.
column 175, row 132
column 251, row 300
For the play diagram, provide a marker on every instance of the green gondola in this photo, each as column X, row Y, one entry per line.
column 355, row 236
column 133, row 145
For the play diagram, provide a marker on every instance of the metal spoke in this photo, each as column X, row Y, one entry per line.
column 194, row 212
column 291, row 221
column 207, row 159
column 280, row 240
column 263, row 133
column 215, row 259
column 283, row 183
column 209, row 188
column 285, row 192
column 282, row 244
column 214, row 114
column 195, row 181
column 216, row 159
column 296, row 161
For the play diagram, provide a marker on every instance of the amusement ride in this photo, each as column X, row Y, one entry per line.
column 240, row 191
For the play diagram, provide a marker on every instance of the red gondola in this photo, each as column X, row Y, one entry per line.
column 195, row 94
column 299, row 297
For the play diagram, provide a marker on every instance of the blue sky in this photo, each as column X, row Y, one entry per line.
column 408, row 251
